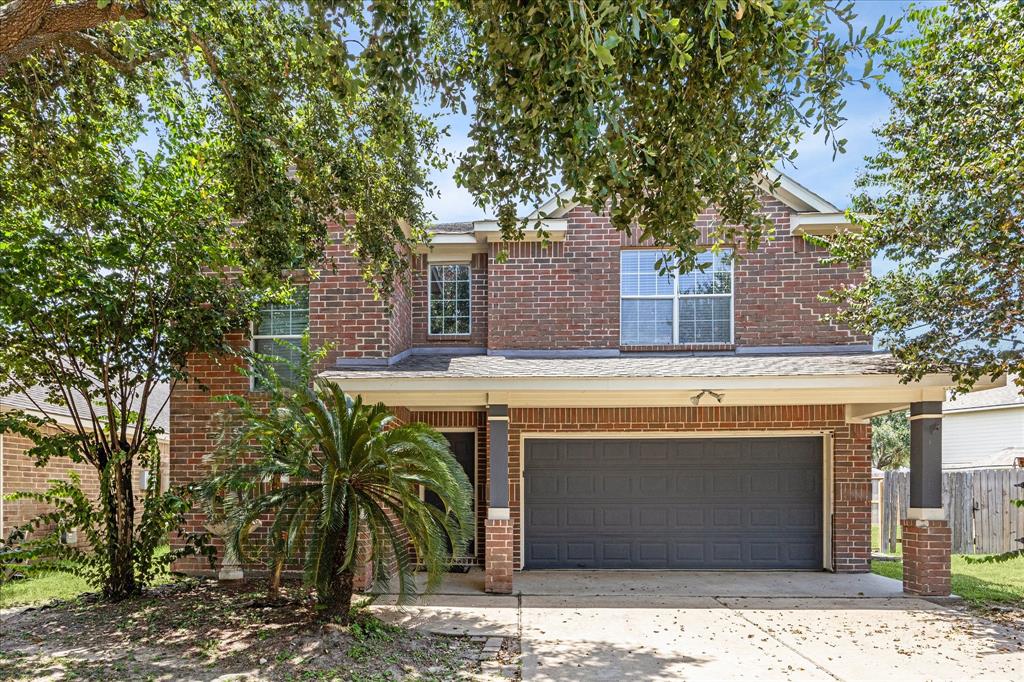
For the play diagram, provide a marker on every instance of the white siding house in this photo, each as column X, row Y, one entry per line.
column 984, row 429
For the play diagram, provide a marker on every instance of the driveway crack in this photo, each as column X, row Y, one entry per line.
column 739, row 614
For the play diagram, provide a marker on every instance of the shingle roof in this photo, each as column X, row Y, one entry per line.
column 993, row 397
column 498, row 366
column 452, row 228
column 36, row 396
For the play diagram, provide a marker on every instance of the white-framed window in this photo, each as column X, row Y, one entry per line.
column 449, row 292
column 672, row 308
column 281, row 324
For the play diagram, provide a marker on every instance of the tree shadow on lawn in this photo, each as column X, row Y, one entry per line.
column 199, row 630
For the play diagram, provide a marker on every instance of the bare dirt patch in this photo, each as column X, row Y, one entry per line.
column 200, row 630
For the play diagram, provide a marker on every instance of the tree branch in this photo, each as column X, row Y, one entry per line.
column 86, row 14
column 21, row 19
column 28, row 25
column 211, row 61
column 86, row 44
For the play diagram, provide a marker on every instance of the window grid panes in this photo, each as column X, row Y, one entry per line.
column 672, row 308
column 449, row 299
column 279, row 330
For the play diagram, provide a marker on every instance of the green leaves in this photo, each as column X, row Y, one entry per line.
column 943, row 199
column 651, row 112
column 353, row 488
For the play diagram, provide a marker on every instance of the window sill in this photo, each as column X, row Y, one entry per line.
column 680, row 348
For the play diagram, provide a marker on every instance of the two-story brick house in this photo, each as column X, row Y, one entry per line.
column 613, row 417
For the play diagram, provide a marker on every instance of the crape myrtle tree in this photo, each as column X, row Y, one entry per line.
column 162, row 162
column 943, row 199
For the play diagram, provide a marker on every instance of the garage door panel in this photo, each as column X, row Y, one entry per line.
column 673, row 503
column 577, row 485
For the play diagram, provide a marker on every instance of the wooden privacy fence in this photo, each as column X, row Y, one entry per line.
column 976, row 502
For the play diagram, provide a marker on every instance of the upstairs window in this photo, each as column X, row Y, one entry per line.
column 449, row 302
column 279, row 330
column 672, row 308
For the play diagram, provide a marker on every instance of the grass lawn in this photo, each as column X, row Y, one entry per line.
column 876, row 539
column 41, row 588
column 1001, row 583
column 47, row 587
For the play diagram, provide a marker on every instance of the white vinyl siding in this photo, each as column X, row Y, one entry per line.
column 669, row 308
column 279, row 331
column 450, row 295
column 972, row 438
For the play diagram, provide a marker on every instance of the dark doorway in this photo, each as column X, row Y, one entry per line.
column 463, row 446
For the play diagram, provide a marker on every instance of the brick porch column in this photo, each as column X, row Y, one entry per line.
column 927, row 540
column 498, row 528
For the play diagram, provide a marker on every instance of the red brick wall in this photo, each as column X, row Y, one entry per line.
column 776, row 290
column 562, row 296
column 194, row 426
column 926, row 557
column 851, row 538
column 463, row 420
column 478, row 306
column 567, row 296
column 342, row 308
column 20, row 474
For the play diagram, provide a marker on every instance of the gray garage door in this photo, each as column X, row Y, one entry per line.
column 753, row 503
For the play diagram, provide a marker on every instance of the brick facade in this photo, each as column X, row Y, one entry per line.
column 926, row 557
column 194, row 428
column 344, row 311
column 20, row 474
column 558, row 296
column 565, row 296
column 500, row 550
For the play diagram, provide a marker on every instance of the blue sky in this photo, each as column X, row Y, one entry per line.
column 815, row 168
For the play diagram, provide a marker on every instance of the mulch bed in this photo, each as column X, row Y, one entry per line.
column 201, row 630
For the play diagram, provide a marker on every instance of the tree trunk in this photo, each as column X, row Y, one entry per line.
column 335, row 599
column 119, row 504
column 274, row 588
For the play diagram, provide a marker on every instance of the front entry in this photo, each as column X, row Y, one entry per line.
column 663, row 503
column 463, row 445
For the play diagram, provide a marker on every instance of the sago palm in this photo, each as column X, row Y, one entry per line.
column 338, row 480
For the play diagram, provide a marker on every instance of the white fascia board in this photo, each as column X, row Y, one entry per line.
column 445, row 238
column 555, row 207
column 795, row 195
column 820, row 223
column 489, row 231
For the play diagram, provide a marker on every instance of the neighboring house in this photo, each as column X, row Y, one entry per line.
column 984, row 430
column 611, row 417
column 18, row 471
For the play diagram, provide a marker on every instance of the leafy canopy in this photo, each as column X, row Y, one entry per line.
column 944, row 199
column 657, row 108
column 161, row 166
column 890, row 440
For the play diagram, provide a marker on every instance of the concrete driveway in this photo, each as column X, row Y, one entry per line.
column 711, row 626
